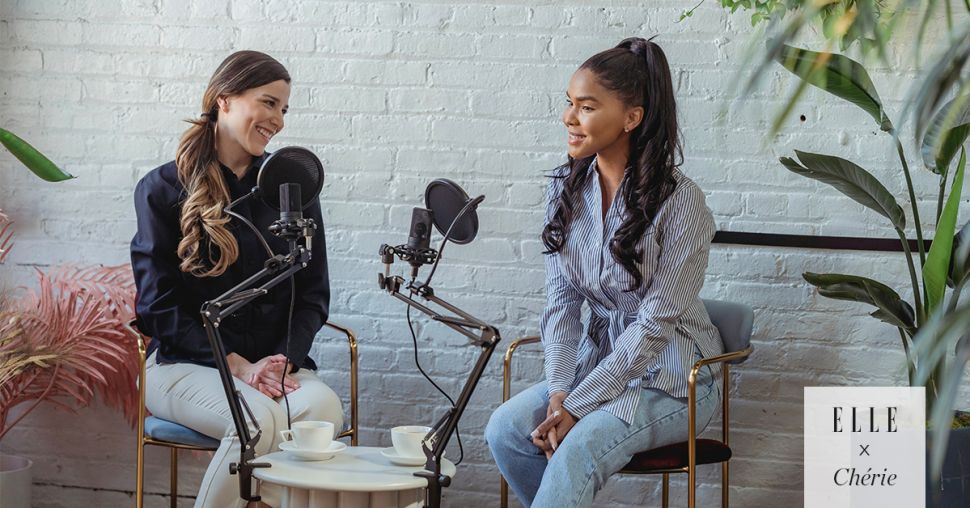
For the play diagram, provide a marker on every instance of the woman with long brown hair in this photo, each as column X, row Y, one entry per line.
column 188, row 250
column 628, row 235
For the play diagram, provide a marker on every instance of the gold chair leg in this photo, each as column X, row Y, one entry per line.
column 724, row 485
column 140, row 426
column 505, row 493
column 691, row 484
column 140, row 475
column 665, row 493
column 174, row 477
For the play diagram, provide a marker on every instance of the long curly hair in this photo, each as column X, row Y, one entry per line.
column 207, row 247
column 637, row 71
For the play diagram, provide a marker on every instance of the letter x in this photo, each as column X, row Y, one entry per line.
column 865, row 450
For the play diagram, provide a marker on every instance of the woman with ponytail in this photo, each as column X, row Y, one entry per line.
column 187, row 250
column 628, row 234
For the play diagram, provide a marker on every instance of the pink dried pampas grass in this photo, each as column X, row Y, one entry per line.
column 69, row 341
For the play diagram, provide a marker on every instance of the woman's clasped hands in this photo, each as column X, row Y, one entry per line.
column 554, row 428
column 265, row 374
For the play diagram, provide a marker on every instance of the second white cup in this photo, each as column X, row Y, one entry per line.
column 407, row 440
column 311, row 435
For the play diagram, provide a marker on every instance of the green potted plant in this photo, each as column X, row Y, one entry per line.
column 63, row 343
column 933, row 327
column 926, row 362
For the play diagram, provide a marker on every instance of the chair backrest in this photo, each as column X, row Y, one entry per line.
column 734, row 321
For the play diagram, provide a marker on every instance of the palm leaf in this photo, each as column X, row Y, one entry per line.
column 946, row 134
column 838, row 75
column 852, row 180
column 68, row 342
column 960, row 259
column 943, row 333
column 945, row 74
column 891, row 308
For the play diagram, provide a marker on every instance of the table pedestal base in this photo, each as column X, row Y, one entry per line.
column 303, row 498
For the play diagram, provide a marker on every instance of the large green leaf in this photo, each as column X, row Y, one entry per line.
column 838, row 75
column 946, row 134
column 852, row 180
column 937, row 264
column 890, row 307
column 32, row 158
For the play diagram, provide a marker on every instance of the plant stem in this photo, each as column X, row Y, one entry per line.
column 912, row 200
column 955, row 296
column 37, row 401
column 939, row 199
column 910, row 364
column 920, row 311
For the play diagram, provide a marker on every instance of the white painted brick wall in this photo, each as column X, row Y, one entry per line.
column 391, row 95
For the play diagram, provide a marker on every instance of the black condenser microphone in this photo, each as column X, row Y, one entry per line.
column 420, row 235
column 291, row 202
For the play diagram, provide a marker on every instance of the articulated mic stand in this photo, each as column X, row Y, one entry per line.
column 478, row 332
column 280, row 267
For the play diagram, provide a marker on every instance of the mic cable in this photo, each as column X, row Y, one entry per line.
column 289, row 319
column 414, row 340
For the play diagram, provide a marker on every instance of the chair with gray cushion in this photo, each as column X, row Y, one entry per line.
column 158, row 432
column 734, row 322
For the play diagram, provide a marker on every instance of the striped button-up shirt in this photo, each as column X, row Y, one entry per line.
column 647, row 338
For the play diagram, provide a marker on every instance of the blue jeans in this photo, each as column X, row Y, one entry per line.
column 599, row 445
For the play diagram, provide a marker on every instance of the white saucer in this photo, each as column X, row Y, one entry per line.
column 327, row 453
column 401, row 460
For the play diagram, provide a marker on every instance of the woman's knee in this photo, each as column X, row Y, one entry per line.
column 583, row 461
column 269, row 418
column 320, row 402
column 496, row 430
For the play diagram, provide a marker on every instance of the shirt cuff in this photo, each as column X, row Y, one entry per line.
column 577, row 408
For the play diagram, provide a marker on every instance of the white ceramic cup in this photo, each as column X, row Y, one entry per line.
column 407, row 440
column 311, row 435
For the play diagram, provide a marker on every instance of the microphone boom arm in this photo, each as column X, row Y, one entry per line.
column 280, row 268
column 487, row 337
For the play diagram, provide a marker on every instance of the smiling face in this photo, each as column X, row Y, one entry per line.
column 250, row 119
column 597, row 121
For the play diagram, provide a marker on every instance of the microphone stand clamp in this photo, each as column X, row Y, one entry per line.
column 292, row 230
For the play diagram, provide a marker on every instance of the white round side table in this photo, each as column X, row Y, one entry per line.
column 358, row 477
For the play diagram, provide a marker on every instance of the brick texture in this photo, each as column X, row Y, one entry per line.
column 391, row 95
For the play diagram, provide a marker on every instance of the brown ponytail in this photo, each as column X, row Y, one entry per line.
column 207, row 248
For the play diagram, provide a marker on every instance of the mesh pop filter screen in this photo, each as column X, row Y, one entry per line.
column 445, row 199
column 291, row 164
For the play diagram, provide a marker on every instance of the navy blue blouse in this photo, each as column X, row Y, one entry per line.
column 169, row 300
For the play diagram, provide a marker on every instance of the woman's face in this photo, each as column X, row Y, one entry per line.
column 253, row 117
column 595, row 117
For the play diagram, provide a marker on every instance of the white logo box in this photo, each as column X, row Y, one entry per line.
column 865, row 447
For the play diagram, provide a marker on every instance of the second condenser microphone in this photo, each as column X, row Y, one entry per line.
column 291, row 202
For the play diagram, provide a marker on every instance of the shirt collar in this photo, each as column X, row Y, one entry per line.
column 251, row 171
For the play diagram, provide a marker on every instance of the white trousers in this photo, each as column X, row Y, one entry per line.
column 192, row 395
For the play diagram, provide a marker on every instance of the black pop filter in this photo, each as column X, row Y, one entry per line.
column 291, row 164
column 446, row 199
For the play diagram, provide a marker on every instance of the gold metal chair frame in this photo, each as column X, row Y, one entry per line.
column 352, row 432
column 691, row 468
